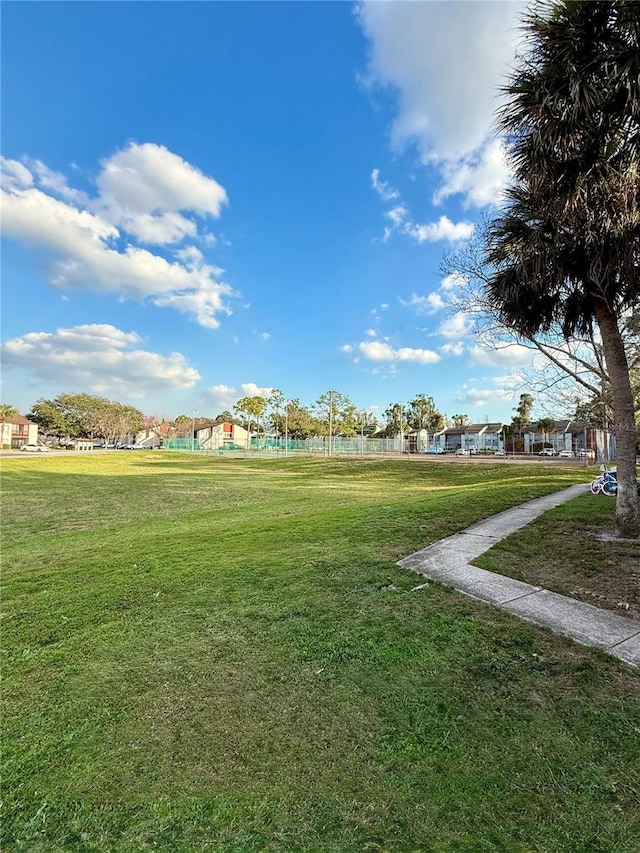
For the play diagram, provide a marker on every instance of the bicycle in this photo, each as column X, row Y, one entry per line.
column 606, row 483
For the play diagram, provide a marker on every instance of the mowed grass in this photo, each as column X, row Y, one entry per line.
column 221, row 655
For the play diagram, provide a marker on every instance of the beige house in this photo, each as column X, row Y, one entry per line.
column 215, row 436
column 17, row 431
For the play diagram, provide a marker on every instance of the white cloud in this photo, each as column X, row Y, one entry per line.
column 383, row 189
column 452, row 349
column 429, row 304
column 443, row 229
column 56, row 183
column 87, row 244
column 379, row 351
column 453, row 281
column 100, row 358
column 250, row 389
column 510, row 355
column 456, row 327
column 481, row 178
column 143, row 188
column 397, row 215
column 221, row 397
column 484, row 397
column 224, row 397
column 14, row 174
column 467, row 48
column 509, row 380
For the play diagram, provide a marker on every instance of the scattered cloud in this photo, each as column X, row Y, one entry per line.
column 484, row 397
column 380, row 351
column 14, row 175
column 224, row 397
column 145, row 189
column 509, row 380
column 456, row 327
column 414, row 44
column 100, row 358
column 453, row 281
column 456, row 349
column 480, row 178
column 384, row 190
column 397, row 215
column 429, row 304
column 443, row 229
column 144, row 192
column 509, row 355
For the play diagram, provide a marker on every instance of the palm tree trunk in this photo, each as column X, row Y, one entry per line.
column 624, row 420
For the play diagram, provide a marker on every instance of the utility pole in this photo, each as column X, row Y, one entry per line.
column 286, row 429
column 330, row 419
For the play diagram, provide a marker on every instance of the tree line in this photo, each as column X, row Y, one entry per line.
column 89, row 416
column 333, row 413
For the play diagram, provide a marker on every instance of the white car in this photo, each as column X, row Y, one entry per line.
column 590, row 454
column 565, row 454
column 547, row 451
column 462, row 452
column 34, row 448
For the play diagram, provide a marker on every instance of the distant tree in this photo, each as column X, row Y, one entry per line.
column 253, row 410
column 276, row 403
column 150, row 422
column 546, row 427
column 183, row 425
column 423, row 414
column 336, row 411
column 85, row 416
column 460, row 420
column 367, row 423
column 50, row 419
column 294, row 420
column 395, row 420
column 7, row 412
column 523, row 409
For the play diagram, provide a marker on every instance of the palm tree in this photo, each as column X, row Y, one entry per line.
column 566, row 247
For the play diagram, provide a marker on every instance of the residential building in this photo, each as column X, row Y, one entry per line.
column 17, row 431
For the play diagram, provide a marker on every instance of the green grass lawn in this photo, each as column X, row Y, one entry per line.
column 221, row 655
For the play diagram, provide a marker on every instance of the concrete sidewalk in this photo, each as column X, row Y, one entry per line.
column 448, row 561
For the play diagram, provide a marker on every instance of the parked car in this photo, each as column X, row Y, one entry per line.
column 547, row 451
column 435, row 449
column 566, row 454
column 462, row 452
column 34, row 448
column 589, row 454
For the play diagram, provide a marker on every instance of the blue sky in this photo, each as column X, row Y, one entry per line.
column 203, row 201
